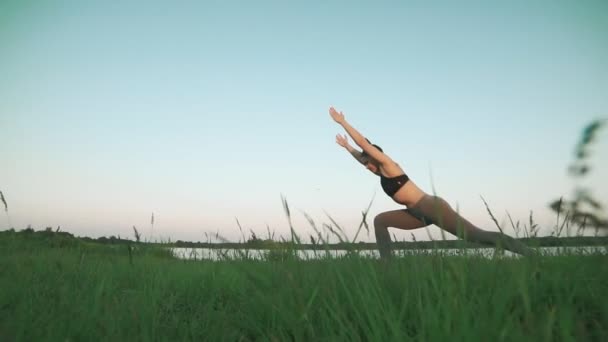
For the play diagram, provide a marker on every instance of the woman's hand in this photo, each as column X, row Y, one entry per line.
column 337, row 116
column 342, row 140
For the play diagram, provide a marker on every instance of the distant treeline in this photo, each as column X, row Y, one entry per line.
column 58, row 238
column 548, row 241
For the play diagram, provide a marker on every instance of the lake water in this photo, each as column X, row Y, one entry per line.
column 258, row 254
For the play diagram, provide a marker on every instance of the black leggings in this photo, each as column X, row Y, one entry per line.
column 435, row 210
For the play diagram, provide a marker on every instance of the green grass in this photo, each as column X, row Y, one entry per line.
column 86, row 292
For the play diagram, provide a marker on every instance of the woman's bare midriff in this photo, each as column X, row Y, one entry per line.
column 409, row 194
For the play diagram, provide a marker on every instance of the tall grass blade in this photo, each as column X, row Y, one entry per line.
column 363, row 222
column 491, row 215
column 3, row 201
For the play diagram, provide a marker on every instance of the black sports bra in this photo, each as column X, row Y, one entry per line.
column 393, row 184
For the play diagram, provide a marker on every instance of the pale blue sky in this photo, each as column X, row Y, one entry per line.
column 204, row 111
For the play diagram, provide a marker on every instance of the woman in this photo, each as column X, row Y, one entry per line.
column 422, row 209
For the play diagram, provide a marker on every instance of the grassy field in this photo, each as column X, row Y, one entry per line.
column 82, row 292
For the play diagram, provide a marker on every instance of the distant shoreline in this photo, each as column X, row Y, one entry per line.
column 57, row 236
column 549, row 241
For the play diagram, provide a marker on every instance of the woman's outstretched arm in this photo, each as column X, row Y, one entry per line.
column 343, row 141
column 358, row 138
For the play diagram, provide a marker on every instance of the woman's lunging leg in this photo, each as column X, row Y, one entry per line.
column 401, row 219
column 446, row 218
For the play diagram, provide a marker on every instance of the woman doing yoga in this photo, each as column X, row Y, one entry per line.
column 422, row 209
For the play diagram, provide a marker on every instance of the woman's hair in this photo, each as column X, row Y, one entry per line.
column 364, row 154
